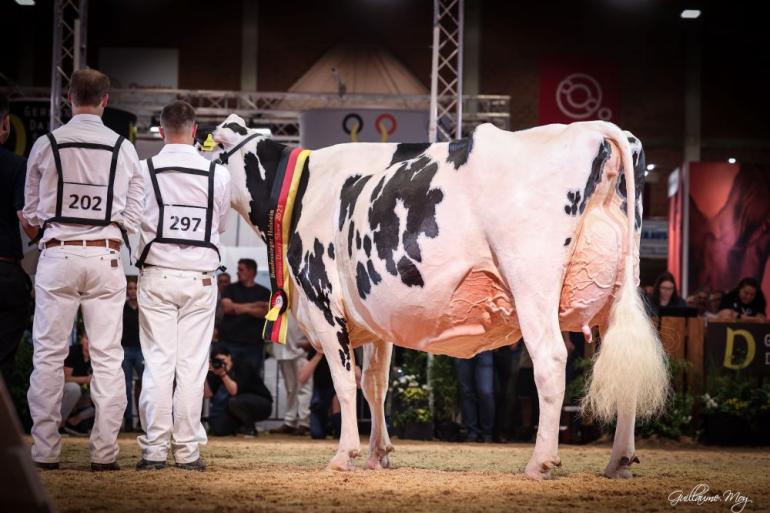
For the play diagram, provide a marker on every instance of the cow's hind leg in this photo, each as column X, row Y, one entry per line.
column 623, row 446
column 374, row 382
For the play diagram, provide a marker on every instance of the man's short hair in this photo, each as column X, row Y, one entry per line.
column 177, row 117
column 249, row 262
column 5, row 107
column 88, row 87
column 219, row 349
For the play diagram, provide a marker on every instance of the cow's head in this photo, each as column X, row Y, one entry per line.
column 252, row 167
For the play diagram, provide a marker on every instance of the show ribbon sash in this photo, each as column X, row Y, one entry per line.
column 282, row 197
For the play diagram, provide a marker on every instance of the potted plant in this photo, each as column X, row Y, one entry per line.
column 411, row 413
column 736, row 411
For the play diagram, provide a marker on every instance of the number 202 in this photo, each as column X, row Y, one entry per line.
column 183, row 223
column 85, row 202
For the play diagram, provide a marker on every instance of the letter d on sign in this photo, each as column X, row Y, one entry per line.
column 750, row 343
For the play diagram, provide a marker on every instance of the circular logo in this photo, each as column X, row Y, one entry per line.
column 351, row 121
column 579, row 96
column 279, row 300
column 381, row 126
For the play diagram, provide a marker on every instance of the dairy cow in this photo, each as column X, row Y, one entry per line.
column 461, row 247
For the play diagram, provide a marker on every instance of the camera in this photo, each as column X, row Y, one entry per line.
column 217, row 363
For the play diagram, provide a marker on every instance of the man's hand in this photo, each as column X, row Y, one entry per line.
column 219, row 371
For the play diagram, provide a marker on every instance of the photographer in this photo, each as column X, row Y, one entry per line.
column 238, row 396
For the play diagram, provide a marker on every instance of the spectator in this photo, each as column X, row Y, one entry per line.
column 745, row 303
column 526, row 394
column 699, row 301
column 712, row 305
column 223, row 280
column 665, row 295
column 291, row 358
column 133, row 361
column 14, row 282
column 323, row 396
column 238, row 396
column 76, row 406
column 504, row 360
column 244, row 304
column 477, row 398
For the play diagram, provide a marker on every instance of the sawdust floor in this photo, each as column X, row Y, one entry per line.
column 285, row 474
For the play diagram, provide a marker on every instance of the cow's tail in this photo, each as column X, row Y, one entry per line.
column 629, row 372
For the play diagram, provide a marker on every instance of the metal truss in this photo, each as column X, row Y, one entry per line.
column 69, row 52
column 280, row 111
column 446, row 109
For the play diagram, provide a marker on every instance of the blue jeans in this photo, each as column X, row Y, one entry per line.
column 133, row 361
column 477, row 395
column 319, row 412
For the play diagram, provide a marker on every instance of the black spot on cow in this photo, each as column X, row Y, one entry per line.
column 408, row 151
column 567, row 241
column 362, row 281
column 377, row 189
column 640, row 166
column 374, row 275
column 358, row 240
column 368, row 245
column 269, row 155
column 573, row 199
column 309, row 271
column 410, row 186
column 351, row 229
column 410, row 275
column 343, row 338
column 459, row 151
column 351, row 189
column 235, row 127
column 301, row 188
column 330, row 251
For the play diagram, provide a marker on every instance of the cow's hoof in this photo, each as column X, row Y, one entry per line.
column 540, row 469
column 343, row 461
column 379, row 459
column 622, row 469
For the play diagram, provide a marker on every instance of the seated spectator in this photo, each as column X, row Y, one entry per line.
column 477, row 396
column 699, row 301
column 238, row 396
column 76, row 406
column 745, row 303
column 325, row 413
column 665, row 295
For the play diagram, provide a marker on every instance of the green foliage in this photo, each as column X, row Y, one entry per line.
column 22, row 369
column 736, row 395
column 411, row 401
column 443, row 382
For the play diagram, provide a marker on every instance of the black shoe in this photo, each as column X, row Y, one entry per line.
column 283, row 430
column 301, row 431
column 150, row 465
column 104, row 467
column 248, row 432
column 193, row 465
column 46, row 466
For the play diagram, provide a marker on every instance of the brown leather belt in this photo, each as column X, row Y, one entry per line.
column 104, row 243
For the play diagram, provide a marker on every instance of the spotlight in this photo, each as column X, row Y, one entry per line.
column 26, row 3
column 731, row 160
column 651, row 167
column 690, row 14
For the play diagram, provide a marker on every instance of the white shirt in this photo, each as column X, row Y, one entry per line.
column 182, row 256
column 42, row 179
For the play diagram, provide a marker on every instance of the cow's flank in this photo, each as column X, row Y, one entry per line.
column 409, row 186
column 577, row 201
column 351, row 189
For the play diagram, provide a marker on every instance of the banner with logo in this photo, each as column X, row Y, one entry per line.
column 325, row 127
column 741, row 347
column 578, row 90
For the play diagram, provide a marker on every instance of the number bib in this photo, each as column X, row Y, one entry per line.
column 181, row 222
column 83, row 200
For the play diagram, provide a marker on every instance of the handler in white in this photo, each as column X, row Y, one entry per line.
column 186, row 203
column 83, row 186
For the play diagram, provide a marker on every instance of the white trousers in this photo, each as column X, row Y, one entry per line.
column 176, row 323
column 91, row 278
column 297, row 396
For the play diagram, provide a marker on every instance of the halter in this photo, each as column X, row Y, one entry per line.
column 225, row 155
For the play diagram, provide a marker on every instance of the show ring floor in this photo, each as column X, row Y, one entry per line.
column 286, row 474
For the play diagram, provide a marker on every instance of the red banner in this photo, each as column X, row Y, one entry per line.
column 578, row 90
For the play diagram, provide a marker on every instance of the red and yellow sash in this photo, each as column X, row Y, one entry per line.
column 278, row 232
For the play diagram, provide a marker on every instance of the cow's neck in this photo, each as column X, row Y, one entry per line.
column 268, row 158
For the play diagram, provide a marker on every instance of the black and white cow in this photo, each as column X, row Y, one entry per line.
column 462, row 247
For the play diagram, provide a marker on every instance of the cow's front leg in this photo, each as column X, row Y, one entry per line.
column 549, row 360
column 341, row 360
column 374, row 382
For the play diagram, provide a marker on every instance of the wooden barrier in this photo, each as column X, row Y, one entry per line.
column 682, row 338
